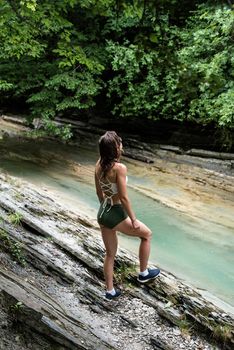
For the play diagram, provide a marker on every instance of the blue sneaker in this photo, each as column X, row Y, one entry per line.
column 115, row 296
column 152, row 274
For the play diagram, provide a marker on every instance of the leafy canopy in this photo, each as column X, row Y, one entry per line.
column 129, row 58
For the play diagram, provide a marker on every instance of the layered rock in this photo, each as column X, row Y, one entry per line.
column 62, row 245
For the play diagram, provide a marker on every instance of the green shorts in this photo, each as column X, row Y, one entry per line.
column 111, row 215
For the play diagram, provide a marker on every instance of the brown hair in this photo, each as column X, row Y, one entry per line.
column 109, row 149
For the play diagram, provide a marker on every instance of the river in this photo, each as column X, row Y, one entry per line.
column 198, row 251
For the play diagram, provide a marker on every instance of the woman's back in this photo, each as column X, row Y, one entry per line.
column 108, row 183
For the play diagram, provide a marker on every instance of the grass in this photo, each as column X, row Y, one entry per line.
column 123, row 272
column 185, row 327
column 14, row 248
column 15, row 218
column 223, row 332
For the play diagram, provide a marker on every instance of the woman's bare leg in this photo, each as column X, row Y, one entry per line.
column 144, row 233
column 110, row 240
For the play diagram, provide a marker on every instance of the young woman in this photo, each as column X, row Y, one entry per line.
column 115, row 212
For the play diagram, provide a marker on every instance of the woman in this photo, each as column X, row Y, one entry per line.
column 115, row 212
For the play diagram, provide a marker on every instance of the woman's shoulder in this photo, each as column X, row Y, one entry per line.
column 120, row 167
column 98, row 165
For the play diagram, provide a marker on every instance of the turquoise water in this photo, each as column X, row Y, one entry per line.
column 199, row 252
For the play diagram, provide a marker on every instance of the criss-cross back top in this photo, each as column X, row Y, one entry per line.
column 108, row 187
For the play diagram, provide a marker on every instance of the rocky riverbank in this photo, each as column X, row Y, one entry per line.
column 196, row 182
column 61, row 268
column 52, row 289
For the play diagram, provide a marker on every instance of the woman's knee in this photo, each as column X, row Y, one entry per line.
column 147, row 234
column 150, row 234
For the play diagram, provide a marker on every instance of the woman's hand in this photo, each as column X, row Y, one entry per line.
column 135, row 224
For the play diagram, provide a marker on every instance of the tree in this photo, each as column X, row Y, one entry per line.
column 164, row 59
column 45, row 59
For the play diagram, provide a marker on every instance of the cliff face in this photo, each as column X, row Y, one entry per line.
column 54, row 292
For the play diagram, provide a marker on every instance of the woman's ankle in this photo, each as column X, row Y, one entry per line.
column 144, row 273
column 111, row 291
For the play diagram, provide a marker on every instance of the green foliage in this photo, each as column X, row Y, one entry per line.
column 206, row 61
column 14, row 248
column 63, row 132
column 44, row 58
column 164, row 59
column 185, row 327
column 182, row 74
column 138, row 94
column 123, row 273
column 223, row 332
column 4, row 85
column 15, row 310
column 17, row 306
column 15, row 218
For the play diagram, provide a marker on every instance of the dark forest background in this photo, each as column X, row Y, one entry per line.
column 160, row 64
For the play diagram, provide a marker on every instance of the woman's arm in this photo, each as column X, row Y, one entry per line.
column 122, row 192
column 98, row 188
